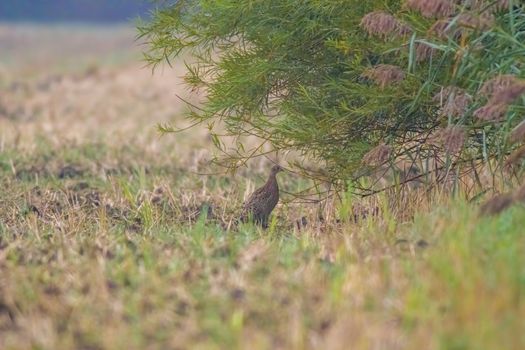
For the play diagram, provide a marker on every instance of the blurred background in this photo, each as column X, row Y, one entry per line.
column 72, row 10
column 73, row 70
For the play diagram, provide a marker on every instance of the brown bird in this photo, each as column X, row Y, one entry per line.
column 261, row 202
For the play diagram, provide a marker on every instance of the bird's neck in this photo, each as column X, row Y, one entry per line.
column 272, row 181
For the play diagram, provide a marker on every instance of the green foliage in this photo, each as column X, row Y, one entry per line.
column 296, row 74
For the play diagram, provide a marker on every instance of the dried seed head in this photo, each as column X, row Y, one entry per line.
column 507, row 95
column 496, row 204
column 378, row 155
column 383, row 24
column 468, row 20
column 491, row 112
column 404, row 29
column 516, row 157
column 424, row 52
column 432, row 8
column 518, row 133
column 492, row 86
column 457, row 105
column 384, row 74
column 453, row 101
column 443, row 29
column 379, row 23
column 501, row 91
column 456, row 27
column 452, row 139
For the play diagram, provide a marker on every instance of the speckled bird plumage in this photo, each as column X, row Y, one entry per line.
column 262, row 201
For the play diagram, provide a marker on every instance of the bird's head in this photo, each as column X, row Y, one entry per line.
column 276, row 168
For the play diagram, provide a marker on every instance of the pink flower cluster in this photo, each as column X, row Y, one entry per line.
column 384, row 74
column 383, row 24
column 501, row 91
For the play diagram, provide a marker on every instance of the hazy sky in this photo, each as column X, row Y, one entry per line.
column 72, row 10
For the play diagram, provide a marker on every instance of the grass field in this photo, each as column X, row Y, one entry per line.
column 111, row 237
